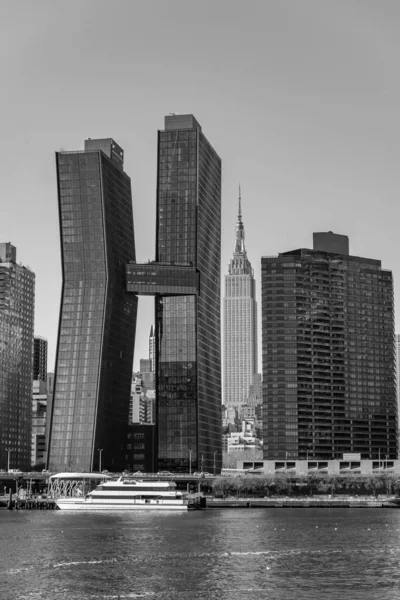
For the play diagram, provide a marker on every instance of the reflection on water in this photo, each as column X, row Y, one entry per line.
column 227, row 554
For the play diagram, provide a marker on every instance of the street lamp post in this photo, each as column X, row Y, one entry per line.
column 190, row 461
column 100, row 451
column 214, row 461
column 379, row 459
column 386, row 463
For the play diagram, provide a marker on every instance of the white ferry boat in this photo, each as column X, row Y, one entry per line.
column 125, row 493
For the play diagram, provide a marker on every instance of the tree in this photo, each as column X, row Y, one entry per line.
column 389, row 480
column 323, row 485
column 239, row 485
column 334, row 484
column 266, row 484
column 312, row 480
column 38, row 467
column 220, row 486
column 351, row 483
column 396, row 485
column 373, row 483
column 281, row 484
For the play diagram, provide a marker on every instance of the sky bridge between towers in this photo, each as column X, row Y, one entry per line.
column 153, row 278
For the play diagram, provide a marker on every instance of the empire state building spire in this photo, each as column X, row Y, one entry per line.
column 239, row 262
column 239, row 242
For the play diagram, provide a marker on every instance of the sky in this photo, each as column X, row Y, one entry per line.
column 300, row 100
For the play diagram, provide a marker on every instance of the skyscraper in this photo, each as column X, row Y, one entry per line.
column 39, row 417
column 328, row 354
column 98, row 317
column 398, row 373
column 39, row 358
column 240, row 323
column 185, row 280
column 152, row 349
column 17, row 303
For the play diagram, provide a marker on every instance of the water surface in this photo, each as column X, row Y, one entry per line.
column 223, row 554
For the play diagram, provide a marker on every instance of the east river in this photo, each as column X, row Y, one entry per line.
column 221, row 554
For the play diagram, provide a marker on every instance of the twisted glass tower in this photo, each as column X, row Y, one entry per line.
column 98, row 317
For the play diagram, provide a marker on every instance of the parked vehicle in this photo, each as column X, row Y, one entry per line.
column 14, row 472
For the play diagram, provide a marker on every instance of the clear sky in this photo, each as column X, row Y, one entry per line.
column 299, row 98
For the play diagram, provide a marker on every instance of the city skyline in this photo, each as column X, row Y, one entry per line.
column 298, row 102
column 307, row 125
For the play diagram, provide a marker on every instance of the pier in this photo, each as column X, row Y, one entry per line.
column 18, row 503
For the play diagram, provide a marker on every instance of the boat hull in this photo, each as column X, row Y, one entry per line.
column 82, row 505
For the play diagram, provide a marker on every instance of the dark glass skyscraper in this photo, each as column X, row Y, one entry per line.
column 185, row 279
column 39, row 358
column 328, row 351
column 98, row 317
column 17, row 308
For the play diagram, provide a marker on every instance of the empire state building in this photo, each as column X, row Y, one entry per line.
column 240, row 323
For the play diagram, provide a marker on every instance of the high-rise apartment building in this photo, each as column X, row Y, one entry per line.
column 39, row 417
column 148, row 376
column 95, row 344
column 142, row 406
column 42, row 394
column 39, row 358
column 185, row 280
column 398, row 374
column 328, row 354
column 240, row 323
column 17, row 303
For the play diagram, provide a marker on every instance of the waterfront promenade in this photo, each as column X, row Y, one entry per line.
column 244, row 502
column 306, row 502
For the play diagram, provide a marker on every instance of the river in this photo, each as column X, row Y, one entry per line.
column 221, row 554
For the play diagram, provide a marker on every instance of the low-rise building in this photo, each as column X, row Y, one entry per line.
column 321, row 467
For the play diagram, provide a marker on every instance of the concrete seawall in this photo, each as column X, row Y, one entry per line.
column 303, row 503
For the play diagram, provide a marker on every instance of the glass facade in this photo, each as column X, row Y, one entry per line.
column 98, row 316
column 39, row 359
column 187, row 331
column 328, row 354
column 153, row 278
column 17, row 304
